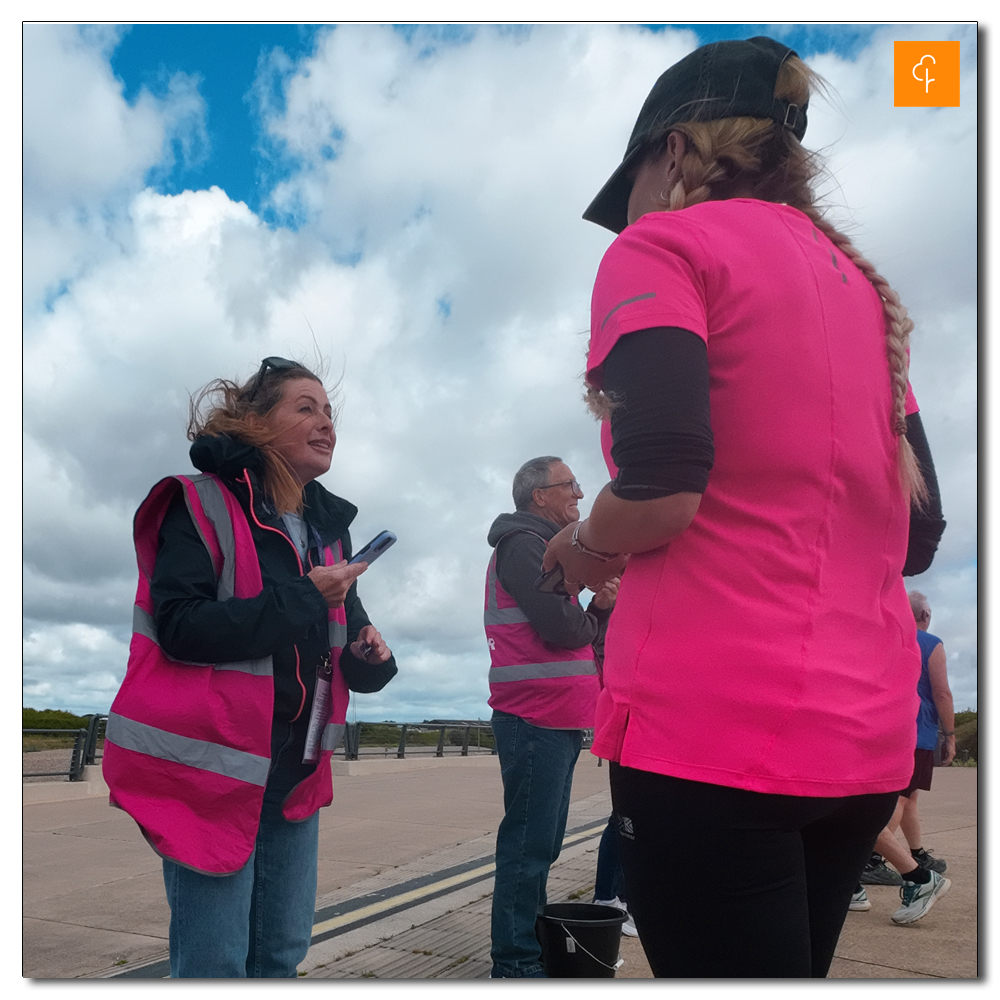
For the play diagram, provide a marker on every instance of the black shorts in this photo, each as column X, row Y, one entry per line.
column 923, row 768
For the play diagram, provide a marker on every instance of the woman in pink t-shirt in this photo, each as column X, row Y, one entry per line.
column 761, row 664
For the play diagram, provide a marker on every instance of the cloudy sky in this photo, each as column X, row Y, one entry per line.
column 405, row 202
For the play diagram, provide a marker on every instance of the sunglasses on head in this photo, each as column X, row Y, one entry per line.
column 277, row 364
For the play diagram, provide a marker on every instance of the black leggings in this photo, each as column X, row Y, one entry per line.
column 725, row 883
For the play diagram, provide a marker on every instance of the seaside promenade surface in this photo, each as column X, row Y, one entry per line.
column 406, row 875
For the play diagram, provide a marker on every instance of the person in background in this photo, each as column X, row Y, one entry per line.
column 248, row 635
column 750, row 368
column 543, row 687
column 920, row 873
column 609, row 884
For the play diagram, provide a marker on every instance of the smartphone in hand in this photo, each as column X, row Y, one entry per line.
column 374, row 548
column 553, row 582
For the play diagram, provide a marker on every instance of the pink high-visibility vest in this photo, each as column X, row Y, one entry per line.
column 188, row 745
column 547, row 685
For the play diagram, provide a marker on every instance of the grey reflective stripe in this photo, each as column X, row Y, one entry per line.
column 535, row 671
column 137, row 736
column 210, row 493
column 627, row 302
column 333, row 733
column 337, row 634
column 504, row 616
column 143, row 623
column 264, row 667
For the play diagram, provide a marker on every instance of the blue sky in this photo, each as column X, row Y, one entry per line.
column 228, row 58
column 225, row 59
column 405, row 203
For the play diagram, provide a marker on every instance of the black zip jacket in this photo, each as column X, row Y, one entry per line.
column 520, row 539
column 288, row 619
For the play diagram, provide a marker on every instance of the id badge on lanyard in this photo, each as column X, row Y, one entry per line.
column 320, row 711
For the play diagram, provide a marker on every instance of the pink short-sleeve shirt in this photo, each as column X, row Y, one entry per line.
column 771, row 646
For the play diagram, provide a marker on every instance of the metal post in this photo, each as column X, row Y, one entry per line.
column 352, row 740
column 79, row 749
column 90, row 750
column 401, row 750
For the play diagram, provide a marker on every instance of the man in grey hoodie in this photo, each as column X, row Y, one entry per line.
column 544, row 681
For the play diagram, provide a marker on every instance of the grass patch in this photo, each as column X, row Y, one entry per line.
column 33, row 744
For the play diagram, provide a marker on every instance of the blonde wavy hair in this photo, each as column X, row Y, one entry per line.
column 225, row 407
column 754, row 157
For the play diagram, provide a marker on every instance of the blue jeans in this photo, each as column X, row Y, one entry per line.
column 257, row 922
column 536, row 766
column 610, row 880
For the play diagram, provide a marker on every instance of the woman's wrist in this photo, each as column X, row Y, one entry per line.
column 578, row 543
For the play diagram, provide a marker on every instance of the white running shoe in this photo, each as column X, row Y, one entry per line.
column 918, row 899
column 628, row 928
column 860, row 901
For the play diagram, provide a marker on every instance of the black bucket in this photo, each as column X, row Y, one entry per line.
column 580, row 940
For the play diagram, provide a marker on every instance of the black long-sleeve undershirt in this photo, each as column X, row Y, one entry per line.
column 662, row 434
column 927, row 523
column 660, row 423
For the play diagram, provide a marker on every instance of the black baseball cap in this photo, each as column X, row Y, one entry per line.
column 732, row 79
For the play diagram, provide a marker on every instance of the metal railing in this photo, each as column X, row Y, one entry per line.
column 88, row 745
column 95, row 738
column 354, row 748
column 75, row 772
column 88, row 748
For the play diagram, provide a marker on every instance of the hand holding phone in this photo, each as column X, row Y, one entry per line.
column 552, row 582
column 374, row 548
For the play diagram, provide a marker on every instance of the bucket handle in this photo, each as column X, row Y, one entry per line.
column 614, row 968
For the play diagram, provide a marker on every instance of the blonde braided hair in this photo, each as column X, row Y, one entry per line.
column 755, row 158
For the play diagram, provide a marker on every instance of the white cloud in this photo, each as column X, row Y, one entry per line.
column 72, row 667
column 86, row 151
column 442, row 263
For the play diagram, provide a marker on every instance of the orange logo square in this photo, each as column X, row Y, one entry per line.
column 926, row 75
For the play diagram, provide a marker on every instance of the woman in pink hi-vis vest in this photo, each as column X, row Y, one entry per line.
column 760, row 667
column 248, row 634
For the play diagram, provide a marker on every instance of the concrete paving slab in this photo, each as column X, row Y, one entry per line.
column 132, row 905
column 333, row 875
column 394, row 962
column 109, row 851
column 55, row 866
column 462, row 936
column 451, row 934
column 54, row 814
column 377, row 843
column 55, row 949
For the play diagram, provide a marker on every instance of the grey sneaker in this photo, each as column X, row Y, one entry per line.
column 877, row 872
column 927, row 860
column 860, row 901
column 918, row 899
